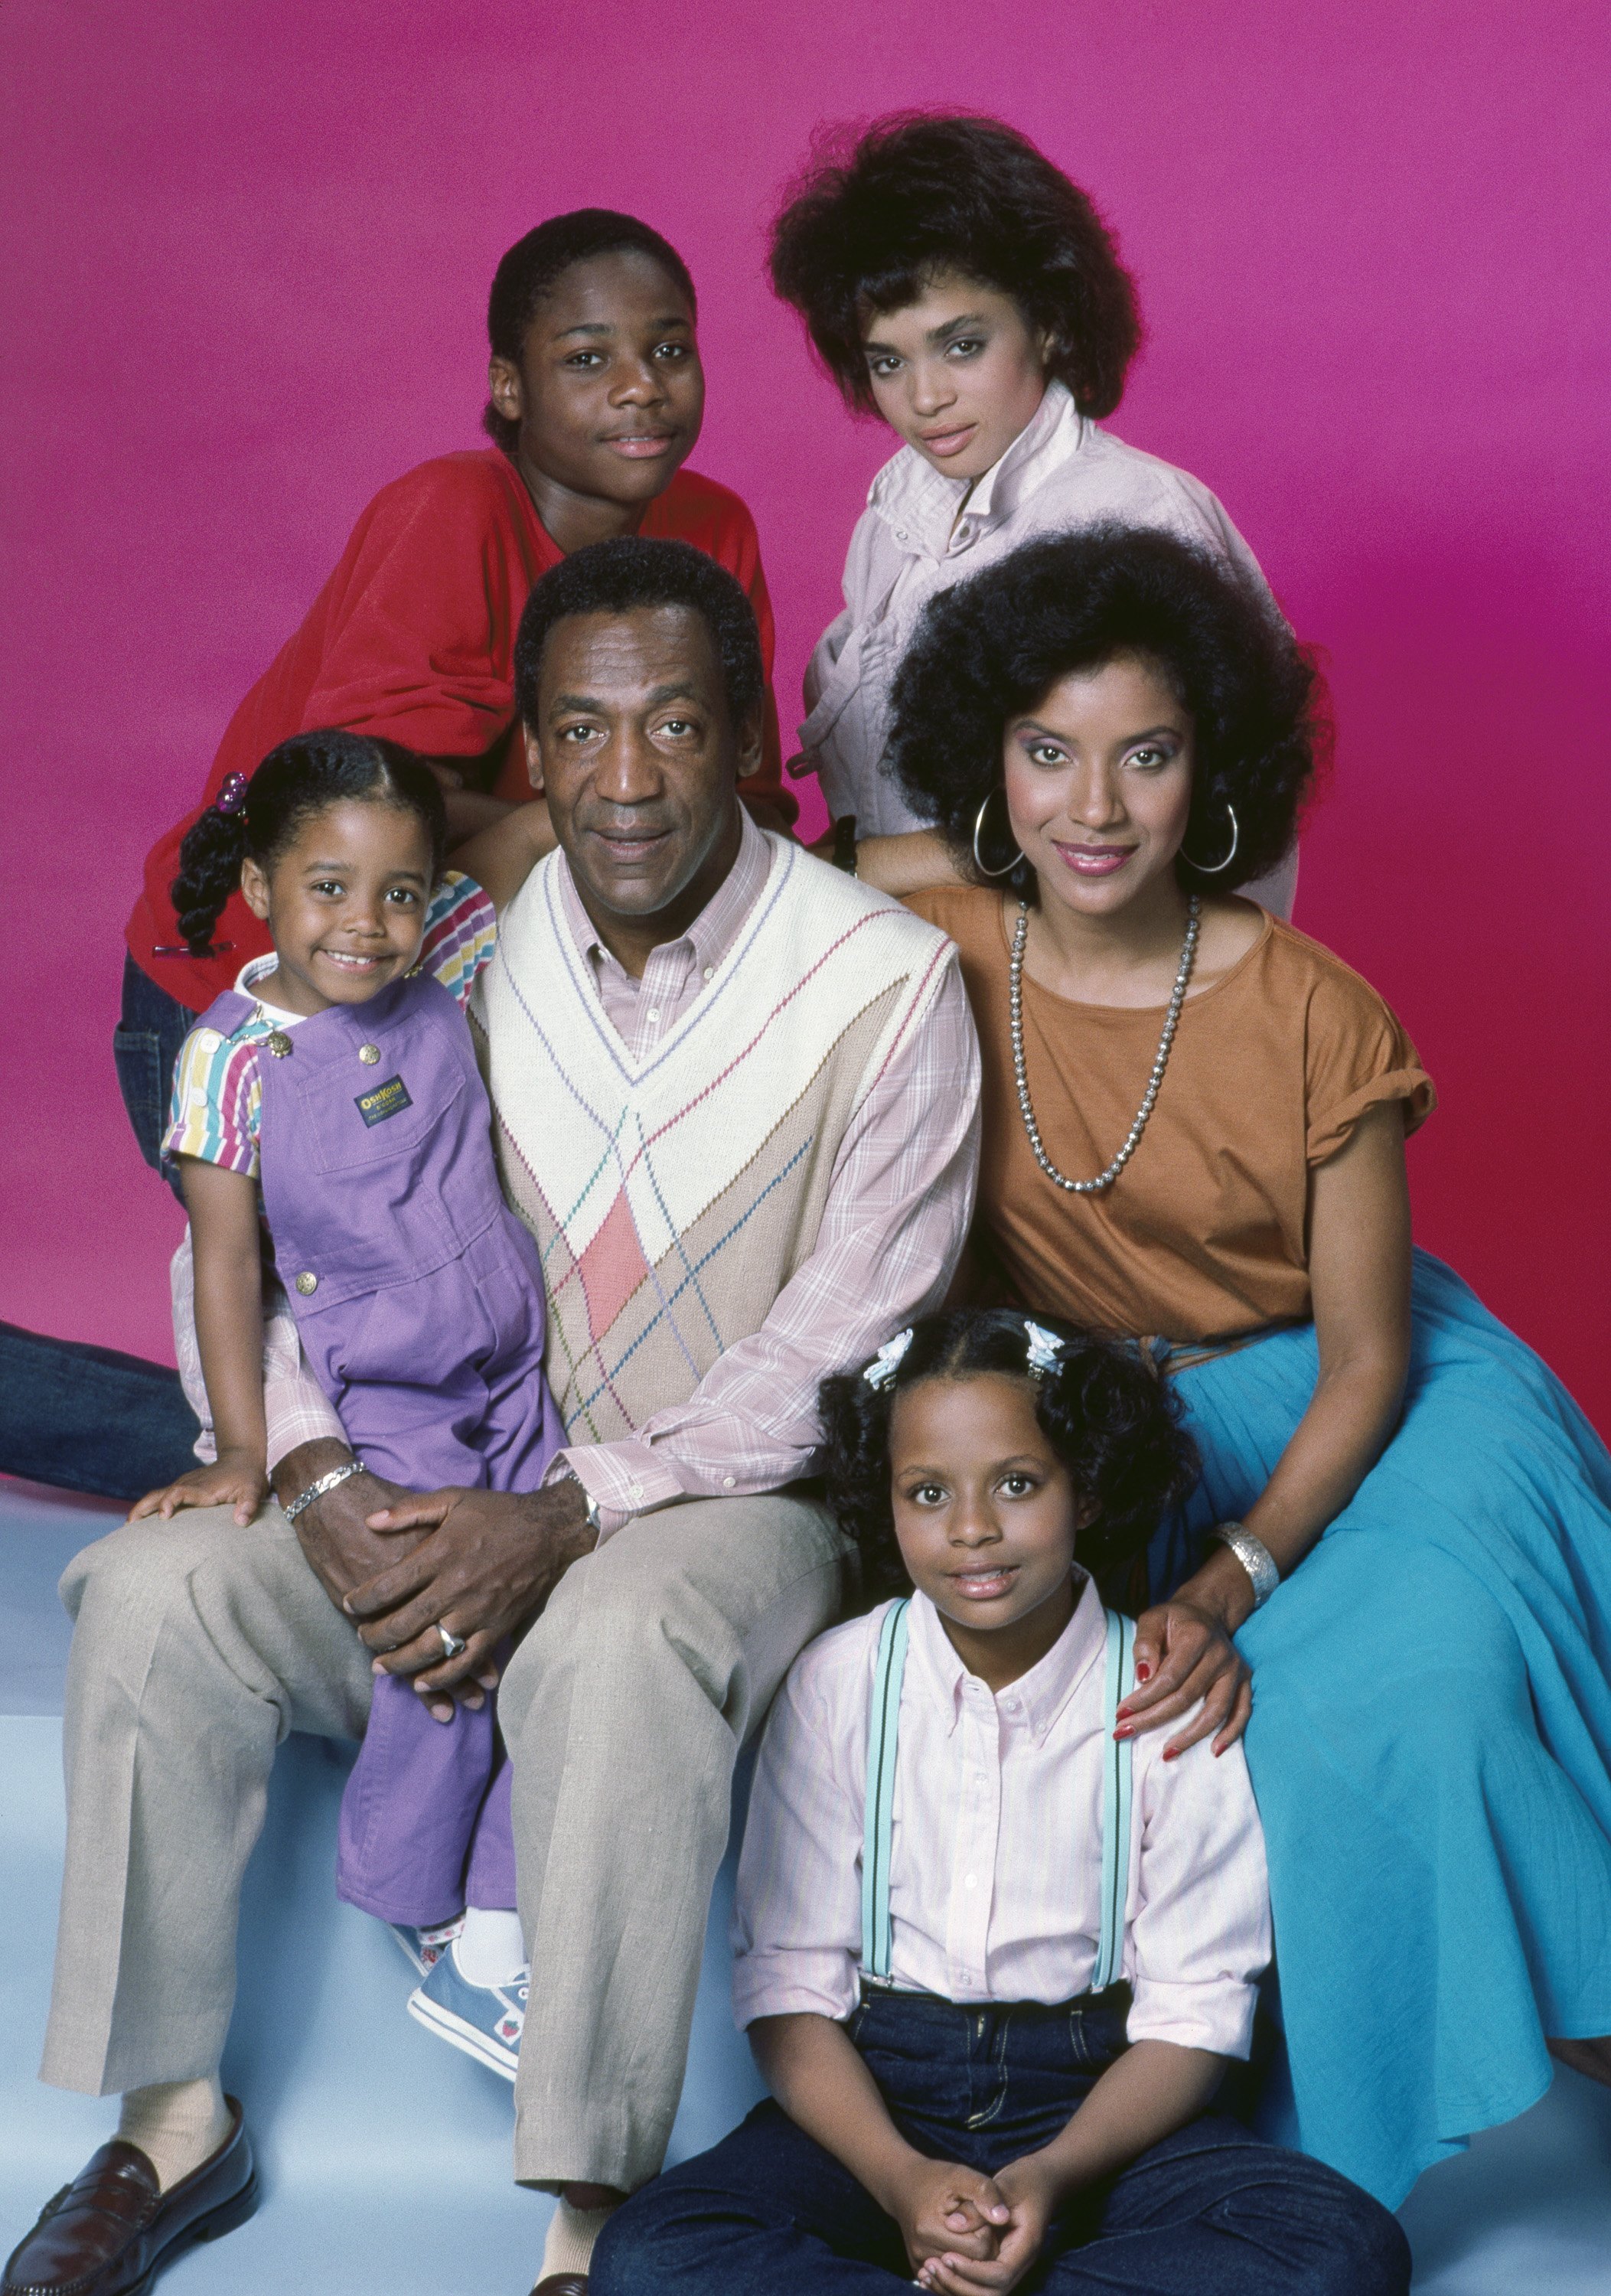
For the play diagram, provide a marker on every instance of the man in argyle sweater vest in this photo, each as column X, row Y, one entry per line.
column 735, row 1100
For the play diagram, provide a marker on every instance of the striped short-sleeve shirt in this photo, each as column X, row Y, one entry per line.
column 218, row 1095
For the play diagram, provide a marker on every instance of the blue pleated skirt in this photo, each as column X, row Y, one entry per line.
column 1431, row 1735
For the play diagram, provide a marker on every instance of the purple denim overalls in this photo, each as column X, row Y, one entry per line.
column 419, row 1298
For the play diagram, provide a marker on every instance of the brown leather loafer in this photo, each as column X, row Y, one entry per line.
column 113, row 2229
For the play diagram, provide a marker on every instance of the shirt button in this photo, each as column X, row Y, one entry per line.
column 971, row 1882
column 710, row 972
column 727, row 1482
column 279, row 1043
column 306, row 1282
column 654, row 1015
column 900, row 534
column 634, row 1491
column 369, row 1054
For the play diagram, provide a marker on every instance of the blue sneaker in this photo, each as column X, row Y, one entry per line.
column 485, row 2020
column 423, row 1948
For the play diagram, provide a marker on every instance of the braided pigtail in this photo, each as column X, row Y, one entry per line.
column 209, row 866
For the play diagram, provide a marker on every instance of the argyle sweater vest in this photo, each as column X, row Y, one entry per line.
column 673, row 1198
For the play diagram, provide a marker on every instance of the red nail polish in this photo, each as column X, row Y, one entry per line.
column 1143, row 1671
column 1125, row 1730
column 1171, row 1753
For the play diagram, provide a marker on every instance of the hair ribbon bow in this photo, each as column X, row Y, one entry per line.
column 885, row 1364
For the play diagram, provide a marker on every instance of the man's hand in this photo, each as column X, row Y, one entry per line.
column 342, row 1550
column 488, row 1563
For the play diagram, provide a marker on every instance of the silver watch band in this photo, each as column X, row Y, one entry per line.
column 595, row 1519
column 1254, row 1557
column 305, row 1499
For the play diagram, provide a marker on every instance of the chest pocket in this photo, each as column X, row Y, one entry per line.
column 357, row 1117
column 378, row 1173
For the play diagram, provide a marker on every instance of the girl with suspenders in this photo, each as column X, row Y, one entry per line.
column 994, row 2047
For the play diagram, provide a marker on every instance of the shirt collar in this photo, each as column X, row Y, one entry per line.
column 256, row 969
column 1035, row 1700
column 921, row 507
column 714, row 930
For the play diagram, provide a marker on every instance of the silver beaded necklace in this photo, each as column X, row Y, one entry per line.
column 1189, row 954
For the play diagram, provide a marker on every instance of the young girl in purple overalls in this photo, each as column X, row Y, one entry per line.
column 333, row 1098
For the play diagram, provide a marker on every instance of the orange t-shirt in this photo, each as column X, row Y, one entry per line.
column 1203, row 1235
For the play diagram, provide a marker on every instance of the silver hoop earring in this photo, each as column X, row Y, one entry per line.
column 978, row 858
column 1202, row 868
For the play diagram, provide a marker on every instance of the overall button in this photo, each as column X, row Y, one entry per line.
column 279, row 1044
column 306, row 1282
column 369, row 1054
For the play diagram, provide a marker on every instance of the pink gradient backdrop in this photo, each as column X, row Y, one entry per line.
column 247, row 252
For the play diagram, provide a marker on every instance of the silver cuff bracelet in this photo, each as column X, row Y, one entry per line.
column 1254, row 1557
column 304, row 1499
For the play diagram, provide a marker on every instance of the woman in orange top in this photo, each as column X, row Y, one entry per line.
column 1398, row 1561
column 597, row 400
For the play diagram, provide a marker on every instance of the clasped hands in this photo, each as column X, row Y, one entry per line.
column 968, row 2234
column 399, row 1562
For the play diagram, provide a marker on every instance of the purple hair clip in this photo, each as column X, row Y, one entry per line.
column 232, row 796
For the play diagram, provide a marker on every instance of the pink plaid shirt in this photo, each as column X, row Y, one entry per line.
column 897, row 1212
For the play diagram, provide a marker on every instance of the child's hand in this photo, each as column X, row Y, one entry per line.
column 946, row 2210
column 238, row 1480
column 1031, row 2196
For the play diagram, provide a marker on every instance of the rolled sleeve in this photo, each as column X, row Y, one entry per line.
column 1200, row 1934
column 796, row 1931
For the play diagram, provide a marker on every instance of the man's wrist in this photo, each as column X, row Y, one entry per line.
column 592, row 1514
column 292, row 1475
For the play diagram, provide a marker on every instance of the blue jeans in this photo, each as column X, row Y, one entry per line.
column 145, row 1052
column 1210, row 2211
column 89, row 1418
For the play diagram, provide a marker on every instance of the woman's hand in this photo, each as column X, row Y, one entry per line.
column 237, row 1480
column 1184, row 1652
column 944, row 2210
column 1032, row 2194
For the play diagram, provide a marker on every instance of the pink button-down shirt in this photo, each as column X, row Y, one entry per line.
column 892, row 1228
column 995, row 1878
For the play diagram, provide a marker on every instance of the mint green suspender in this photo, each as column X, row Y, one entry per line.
column 879, row 1829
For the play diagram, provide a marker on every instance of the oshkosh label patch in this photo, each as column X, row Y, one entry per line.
column 388, row 1099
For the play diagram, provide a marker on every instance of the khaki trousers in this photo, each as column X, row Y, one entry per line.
column 199, row 1646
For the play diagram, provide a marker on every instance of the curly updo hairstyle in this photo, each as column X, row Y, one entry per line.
column 1111, row 1421
column 528, row 273
column 298, row 779
column 877, row 215
column 992, row 648
column 625, row 575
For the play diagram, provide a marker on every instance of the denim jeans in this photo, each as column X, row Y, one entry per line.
column 88, row 1418
column 145, row 1051
column 1210, row 2211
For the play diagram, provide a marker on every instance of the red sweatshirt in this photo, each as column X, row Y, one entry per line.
column 412, row 637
